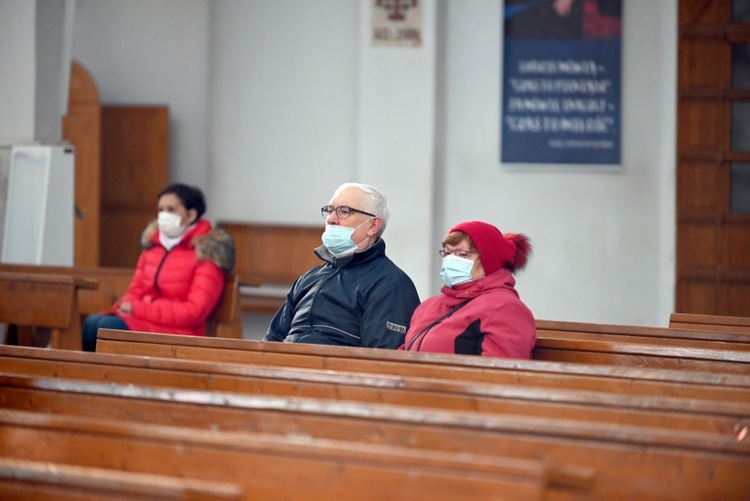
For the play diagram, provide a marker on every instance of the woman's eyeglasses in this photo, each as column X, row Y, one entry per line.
column 464, row 253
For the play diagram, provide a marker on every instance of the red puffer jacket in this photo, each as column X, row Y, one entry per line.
column 493, row 322
column 175, row 291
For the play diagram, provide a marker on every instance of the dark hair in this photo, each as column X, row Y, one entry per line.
column 190, row 197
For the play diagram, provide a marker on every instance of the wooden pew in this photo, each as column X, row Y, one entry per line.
column 225, row 321
column 630, row 462
column 612, row 349
column 270, row 258
column 44, row 300
column 269, row 467
column 720, row 417
column 717, row 324
column 44, row 481
column 429, row 365
column 675, row 331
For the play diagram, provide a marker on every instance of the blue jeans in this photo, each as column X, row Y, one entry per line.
column 97, row 321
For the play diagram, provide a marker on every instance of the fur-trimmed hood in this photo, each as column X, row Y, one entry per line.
column 213, row 244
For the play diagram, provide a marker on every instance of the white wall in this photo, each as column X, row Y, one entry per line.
column 17, row 67
column 289, row 118
column 153, row 52
column 283, row 107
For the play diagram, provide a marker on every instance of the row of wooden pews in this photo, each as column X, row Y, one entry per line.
column 606, row 454
column 280, row 421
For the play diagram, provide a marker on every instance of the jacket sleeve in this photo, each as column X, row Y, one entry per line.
column 282, row 320
column 135, row 289
column 205, row 290
column 509, row 332
column 388, row 310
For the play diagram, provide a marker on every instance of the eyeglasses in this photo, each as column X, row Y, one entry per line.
column 342, row 211
column 464, row 253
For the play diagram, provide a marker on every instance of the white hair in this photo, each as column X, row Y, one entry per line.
column 374, row 203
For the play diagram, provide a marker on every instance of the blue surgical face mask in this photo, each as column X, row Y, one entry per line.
column 456, row 270
column 338, row 239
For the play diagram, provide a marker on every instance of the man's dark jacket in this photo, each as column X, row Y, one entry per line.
column 360, row 300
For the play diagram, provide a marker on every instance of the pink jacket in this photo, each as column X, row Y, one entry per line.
column 176, row 291
column 494, row 323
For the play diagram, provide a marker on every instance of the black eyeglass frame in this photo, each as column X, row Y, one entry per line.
column 327, row 210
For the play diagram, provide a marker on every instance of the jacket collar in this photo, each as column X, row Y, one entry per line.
column 150, row 235
column 501, row 279
column 375, row 251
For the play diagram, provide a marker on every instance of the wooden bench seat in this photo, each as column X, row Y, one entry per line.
column 629, row 462
column 44, row 481
column 722, row 417
column 715, row 324
column 106, row 285
column 429, row 365
column 269, row 467
column 676, row 331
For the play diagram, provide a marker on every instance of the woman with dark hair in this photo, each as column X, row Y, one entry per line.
column 180, row 273
column 478, row 311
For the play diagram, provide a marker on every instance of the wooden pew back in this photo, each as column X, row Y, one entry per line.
column 613, row 349
column 675, row 332
column 456, row 367
column 272, row 256
column 43, row 300
column 717, row 324
column 225, row 321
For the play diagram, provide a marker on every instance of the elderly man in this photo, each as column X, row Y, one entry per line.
column 358, row 297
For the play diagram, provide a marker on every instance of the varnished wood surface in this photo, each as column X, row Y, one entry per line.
column 708, row 465
column 44, row 300
column 394, row 362
column 715, row 324
column 674, row 332
column 674, row 413
column 46, row 481
column 269, row 467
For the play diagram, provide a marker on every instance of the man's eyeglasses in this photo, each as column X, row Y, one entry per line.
column 342, row 211
column 464, row 253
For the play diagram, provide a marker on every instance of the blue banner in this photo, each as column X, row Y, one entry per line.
column 561, row 82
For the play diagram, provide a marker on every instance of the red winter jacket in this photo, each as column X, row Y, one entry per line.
column 494, row 323
column 175, row 291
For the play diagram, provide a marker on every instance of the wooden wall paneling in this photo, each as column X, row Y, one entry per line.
column 713, row 243
column 698, row 294
column 702, row 177
column 135, row 159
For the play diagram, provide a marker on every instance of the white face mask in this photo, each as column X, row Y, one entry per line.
column 169, row 224
column 456, row 270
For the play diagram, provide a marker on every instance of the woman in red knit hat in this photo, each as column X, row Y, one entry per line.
column 478, row 311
